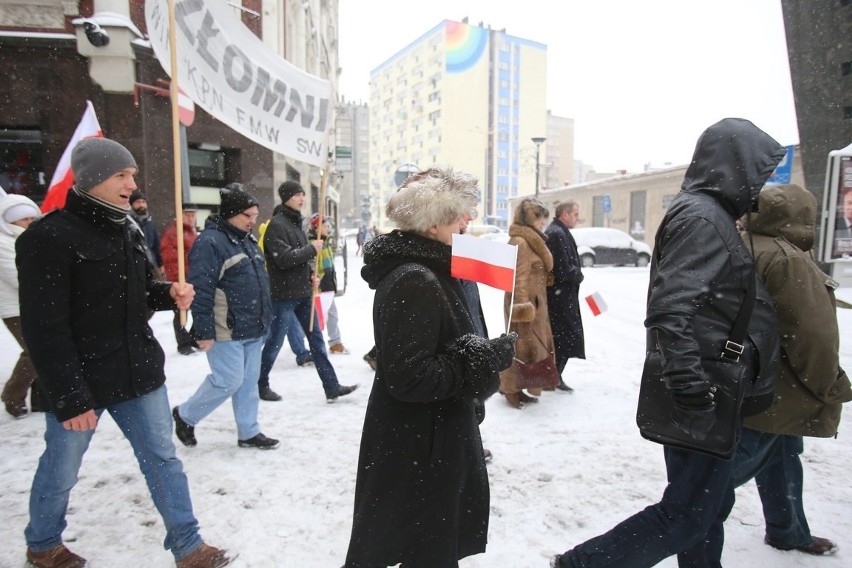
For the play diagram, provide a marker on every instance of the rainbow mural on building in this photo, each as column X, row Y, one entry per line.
column 465, row 46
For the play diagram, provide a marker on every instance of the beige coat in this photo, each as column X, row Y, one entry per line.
column 530, row 319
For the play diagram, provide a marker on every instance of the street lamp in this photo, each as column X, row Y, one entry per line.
column 538, row 141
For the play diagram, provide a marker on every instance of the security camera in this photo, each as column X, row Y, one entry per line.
column 96, row 34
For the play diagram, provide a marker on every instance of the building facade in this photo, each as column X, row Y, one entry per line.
column 53, row 61
column 461, row 95
column 352, row 162
column 559, row 168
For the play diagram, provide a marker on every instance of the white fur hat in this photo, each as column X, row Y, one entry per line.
column 436, row 196
column 19, row 207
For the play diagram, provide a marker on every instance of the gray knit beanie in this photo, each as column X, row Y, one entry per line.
column 94, row 160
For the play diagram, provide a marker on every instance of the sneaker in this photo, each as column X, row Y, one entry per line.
column 371, row 361
column 16, row 409
column 259, row 442
column 305, row 361
column 342, row 391
column 185, row 433
column 269, row 395
column 338, row 349
column 205, row 556
column 818, row 547
column 56, row 557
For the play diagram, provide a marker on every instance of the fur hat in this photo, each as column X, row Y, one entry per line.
column 529, row 210
column 288, row 189
column 436, row 196
column 233, row 200
column 136, row 196
column 94, row 160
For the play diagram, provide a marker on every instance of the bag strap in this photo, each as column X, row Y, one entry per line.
column 734, row 346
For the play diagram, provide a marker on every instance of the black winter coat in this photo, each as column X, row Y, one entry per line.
column 86, row 287
column 563, row 298
column 701, row 268
column 288, row 256
column 421, row 494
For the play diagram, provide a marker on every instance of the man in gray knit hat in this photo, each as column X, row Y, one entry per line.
column 94, row 351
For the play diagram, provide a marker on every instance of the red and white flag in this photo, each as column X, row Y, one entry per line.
column 484, row 261
column 596, row 303
column 322, row 303
column 63, row 178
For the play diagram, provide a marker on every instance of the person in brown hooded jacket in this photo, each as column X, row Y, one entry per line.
column 811, row 387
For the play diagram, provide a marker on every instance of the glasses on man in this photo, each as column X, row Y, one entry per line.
column 250, row 215
column 473, row 213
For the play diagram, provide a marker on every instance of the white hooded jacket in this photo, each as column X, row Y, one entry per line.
column 8, row 271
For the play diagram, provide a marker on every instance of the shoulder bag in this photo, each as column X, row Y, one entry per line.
column 654, row 415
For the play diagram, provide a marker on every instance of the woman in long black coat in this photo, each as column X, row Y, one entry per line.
column 421, row 496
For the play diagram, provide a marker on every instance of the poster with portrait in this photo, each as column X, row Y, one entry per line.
column 836, row 241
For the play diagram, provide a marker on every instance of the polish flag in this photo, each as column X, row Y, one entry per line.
column 63, row 177
column 322, row 303
column 596, row 303
column 481, row 260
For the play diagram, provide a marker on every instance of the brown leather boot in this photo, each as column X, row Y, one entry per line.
column 525, row 398
column 56, row 557
column 513, row 399
column 205, row 556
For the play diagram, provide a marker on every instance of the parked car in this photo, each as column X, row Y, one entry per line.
column 601, row 245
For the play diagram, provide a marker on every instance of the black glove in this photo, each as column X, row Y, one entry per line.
column 695, row 414
column 504, row 349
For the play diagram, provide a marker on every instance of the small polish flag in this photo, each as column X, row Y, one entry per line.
column 63, row 177
column 596, row 303
column 481, row 260
column 322, row 303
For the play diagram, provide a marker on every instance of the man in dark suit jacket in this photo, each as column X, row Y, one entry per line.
column 563, row 301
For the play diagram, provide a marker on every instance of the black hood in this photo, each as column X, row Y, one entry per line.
column 732, row 161
column 385, row 252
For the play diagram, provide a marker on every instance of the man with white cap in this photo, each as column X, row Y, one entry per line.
column 85, row 288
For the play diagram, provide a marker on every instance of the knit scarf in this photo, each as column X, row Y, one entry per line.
column 112, row 213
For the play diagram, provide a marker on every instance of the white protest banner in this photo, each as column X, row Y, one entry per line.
column 231, row 74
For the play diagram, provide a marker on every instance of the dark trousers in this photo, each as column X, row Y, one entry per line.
column 773, row 461
column 688, row 520
column 182, row 336
column 24, row 374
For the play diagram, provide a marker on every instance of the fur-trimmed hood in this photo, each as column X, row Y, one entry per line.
column 385, row 252
column 536, row 241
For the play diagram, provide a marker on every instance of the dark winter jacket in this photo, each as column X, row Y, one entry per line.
column 231, row 284
column 152, row 238
column 421, row 494
column 85, row 288
column 812, row 386
column 563, row 298
column 701, row 268
column 288, row 256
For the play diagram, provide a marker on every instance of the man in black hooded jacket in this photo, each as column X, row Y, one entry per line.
column 699, row 276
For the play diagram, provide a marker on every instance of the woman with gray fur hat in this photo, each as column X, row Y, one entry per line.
column 421, row 495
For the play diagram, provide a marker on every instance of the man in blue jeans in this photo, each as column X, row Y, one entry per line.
column 86, row 288
column 231, row 316
column 812, row 386
column 289, row 259
column 701, row 275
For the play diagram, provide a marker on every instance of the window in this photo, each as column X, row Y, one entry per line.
column 21, row 169
column 846, row 68
column 207, row 167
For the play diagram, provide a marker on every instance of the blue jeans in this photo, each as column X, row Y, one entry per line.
column 296, row 339
column 146, row 422
column 773, row 461
column 301, row 307
column 234, row 367
column 688, row 521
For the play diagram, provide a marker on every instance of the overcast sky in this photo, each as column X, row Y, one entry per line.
column 641, row 80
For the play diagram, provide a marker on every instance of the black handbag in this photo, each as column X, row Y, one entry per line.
column 654, row 415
